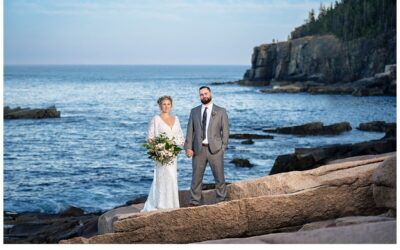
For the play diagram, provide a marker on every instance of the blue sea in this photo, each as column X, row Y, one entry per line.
column 92, row 157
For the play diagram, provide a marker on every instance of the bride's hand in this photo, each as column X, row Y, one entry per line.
column 189, row 153
column 149, row 140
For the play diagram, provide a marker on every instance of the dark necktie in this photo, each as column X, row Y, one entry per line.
column 204, row 123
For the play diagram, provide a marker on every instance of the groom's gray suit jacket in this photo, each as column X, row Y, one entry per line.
column 218, row 130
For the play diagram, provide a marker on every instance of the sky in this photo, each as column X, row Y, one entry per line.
column 177, row 32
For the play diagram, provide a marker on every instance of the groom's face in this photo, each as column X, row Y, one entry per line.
column 205, row 96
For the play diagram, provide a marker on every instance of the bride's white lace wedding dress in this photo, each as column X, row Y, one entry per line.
column 164, row 189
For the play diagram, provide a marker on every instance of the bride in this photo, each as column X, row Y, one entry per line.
column 164, row 189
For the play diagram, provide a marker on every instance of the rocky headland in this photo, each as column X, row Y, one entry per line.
column 326, row 65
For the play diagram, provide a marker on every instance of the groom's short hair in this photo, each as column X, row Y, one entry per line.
column 205, row 87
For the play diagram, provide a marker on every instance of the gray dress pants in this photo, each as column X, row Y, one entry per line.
column 199, row 164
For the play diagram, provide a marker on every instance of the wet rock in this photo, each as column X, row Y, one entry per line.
column 290, row 88
column 368, row 92
column 138, row 200
column 379, row 126
column 27, row 113
column 378, row 85
column 313, row 128
column 248, row 142
column 48, row 228
column 293, row 162
column 223, row 83
column 244, row 163
column 309, row 158
column 250, row 136
column 72, row 211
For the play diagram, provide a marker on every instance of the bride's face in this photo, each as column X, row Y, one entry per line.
column 166, row 106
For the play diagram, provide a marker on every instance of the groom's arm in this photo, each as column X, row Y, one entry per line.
column 189, row 133
column 225, row 130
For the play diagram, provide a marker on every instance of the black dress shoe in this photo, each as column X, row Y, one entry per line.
column 193, row 205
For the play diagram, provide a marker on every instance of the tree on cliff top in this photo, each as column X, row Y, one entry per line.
column 350, row 19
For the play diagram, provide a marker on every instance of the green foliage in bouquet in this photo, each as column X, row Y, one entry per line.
column 162, row 149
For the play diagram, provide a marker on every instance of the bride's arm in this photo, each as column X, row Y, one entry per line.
column 151, row 131
column 179, row 139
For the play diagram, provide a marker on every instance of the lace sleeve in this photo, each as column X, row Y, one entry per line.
column 179, row 139
column 151, row 131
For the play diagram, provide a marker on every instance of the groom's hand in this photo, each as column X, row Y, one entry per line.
column 189, row 153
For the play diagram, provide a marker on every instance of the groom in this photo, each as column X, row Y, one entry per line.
column 207, row 140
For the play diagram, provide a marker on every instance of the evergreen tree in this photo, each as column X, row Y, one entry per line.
column 350, row 19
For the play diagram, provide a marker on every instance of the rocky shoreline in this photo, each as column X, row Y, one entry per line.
column 381, row 84
column 31, row 227
column 36, row 227
column 356, row 196
column 53, row 228
column 292, row 191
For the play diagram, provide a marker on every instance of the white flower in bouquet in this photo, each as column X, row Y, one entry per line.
column 160, row 146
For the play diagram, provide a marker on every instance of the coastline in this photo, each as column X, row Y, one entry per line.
column 357, row 191
column 52, row 228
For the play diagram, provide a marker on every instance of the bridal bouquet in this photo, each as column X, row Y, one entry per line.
column 162, row 149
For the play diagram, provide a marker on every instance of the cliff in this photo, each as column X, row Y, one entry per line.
column 322, row 59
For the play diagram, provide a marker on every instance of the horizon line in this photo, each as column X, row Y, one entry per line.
column 99, row 64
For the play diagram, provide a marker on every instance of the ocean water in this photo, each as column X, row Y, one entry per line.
column 92, row 157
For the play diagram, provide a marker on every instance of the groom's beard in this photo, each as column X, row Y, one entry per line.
column 206, row 100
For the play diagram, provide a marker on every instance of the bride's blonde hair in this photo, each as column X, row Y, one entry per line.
column 164, row 97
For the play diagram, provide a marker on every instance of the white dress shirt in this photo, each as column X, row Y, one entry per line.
column 209, row 110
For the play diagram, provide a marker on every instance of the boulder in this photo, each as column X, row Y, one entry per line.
column 72, row 211
column 309, row 158
column 27, row 113
column 345, row 221
column 294, row 199
column 107, row 219
column 244, row 163
column 250, row 136
column 247, row 142
column 137, row 200
column 289, row 88
column 366, row 233
column 379, row 126
column 369, row 92
column 384, row 184
column 313, row 128
column 295, row 181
